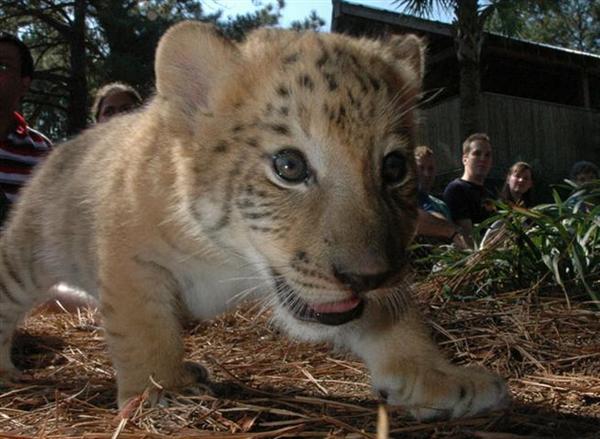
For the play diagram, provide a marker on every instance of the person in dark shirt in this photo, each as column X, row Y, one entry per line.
column 466, row 196
column 583, row 172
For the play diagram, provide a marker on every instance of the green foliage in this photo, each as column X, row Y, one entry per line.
column 312, row 22
column 573, row 24
column 118, row 40
column 556, row 243
column 425, row 8
column 240, row 25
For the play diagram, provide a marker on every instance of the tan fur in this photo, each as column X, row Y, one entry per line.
column 177, row 209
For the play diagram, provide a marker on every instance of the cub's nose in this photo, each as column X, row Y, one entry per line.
column 361, row 282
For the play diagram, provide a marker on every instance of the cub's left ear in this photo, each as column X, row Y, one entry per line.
column 409, row 50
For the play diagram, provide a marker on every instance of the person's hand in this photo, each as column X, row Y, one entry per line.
column 461, row 241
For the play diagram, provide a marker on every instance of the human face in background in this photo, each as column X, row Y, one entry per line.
column 12, row 85
column 115, row 103
column 585, row 177
column 426, row 172
column 478, row 161
column 519, row 182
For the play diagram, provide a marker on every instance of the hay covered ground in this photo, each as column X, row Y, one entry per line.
column 546, row 346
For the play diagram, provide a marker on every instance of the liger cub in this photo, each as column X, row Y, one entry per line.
column 283, row 164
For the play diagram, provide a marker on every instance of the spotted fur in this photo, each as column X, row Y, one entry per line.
column 282, row 166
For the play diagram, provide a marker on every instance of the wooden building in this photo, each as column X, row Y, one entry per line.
column 540, row 103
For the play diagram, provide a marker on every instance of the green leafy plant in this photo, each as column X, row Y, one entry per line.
column 557, row 243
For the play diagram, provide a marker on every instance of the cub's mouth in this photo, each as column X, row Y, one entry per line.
column 332, row 314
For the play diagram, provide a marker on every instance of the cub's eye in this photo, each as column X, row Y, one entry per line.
column 394, row 168
column 290, row 165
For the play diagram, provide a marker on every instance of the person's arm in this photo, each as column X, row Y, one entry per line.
column 455, row 198
column 466, row 225
column 430, row 224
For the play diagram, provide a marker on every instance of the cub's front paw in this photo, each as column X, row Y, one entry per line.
column 445, row 392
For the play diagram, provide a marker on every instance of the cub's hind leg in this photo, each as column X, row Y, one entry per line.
column 23, row 284
column 141, row 316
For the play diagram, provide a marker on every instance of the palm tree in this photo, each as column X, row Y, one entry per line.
column 469, row 21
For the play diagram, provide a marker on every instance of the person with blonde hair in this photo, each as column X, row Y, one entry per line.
column 434, row 216
column 114, row 98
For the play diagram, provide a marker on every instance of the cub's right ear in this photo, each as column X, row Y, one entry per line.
column 190, row 59
column 409, row 50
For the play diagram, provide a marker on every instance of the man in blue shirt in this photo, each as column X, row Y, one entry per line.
column 434, row 216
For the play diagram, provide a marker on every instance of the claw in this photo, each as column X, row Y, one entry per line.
column 198, row 371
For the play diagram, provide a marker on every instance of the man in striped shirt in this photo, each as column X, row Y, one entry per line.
column 21, row 147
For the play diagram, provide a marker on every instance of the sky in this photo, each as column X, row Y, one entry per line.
column 295, row 9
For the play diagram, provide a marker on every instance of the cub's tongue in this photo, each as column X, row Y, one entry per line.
column 335, row 307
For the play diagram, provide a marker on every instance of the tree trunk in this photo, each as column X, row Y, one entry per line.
column 77, row 108
column 469, row 40
column 132, row 41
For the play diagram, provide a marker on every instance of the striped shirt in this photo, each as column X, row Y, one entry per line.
column 22, row 149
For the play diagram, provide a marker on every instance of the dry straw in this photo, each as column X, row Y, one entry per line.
column 270, row 387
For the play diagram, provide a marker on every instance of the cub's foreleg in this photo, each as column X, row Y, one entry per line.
column 140, row 309
column 408, row 370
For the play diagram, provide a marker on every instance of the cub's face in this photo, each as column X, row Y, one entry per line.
column 307, row 170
